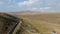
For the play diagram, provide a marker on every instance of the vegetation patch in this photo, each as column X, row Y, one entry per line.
column 34, row 27
column 7, row 22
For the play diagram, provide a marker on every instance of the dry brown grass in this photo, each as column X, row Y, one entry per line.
column 53, row 20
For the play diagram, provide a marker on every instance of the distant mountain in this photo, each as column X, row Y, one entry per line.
column 24, row 13
column 28, row 13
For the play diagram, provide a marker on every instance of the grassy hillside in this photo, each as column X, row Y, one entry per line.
column 7, row 22
column 38, row 25
column 53, row 20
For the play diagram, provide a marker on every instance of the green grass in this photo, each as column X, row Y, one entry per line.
column 45, row 23
column 41, row 27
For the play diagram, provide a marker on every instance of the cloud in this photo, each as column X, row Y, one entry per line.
column 9, row 1
column 25, row 3
column 34, row 8
column 29, row 2
column 11, row 6
column 36, row 5
column 45, row 8
column 39, row 9
column 1, row 2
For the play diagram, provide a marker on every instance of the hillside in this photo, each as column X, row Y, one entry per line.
column 35, row 23
column 44, row 21
column 7, row 22
column 53, row 20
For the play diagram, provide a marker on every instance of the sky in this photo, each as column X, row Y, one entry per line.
column 32, row 5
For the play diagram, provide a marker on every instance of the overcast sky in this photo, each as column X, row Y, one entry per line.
column 33, row 5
